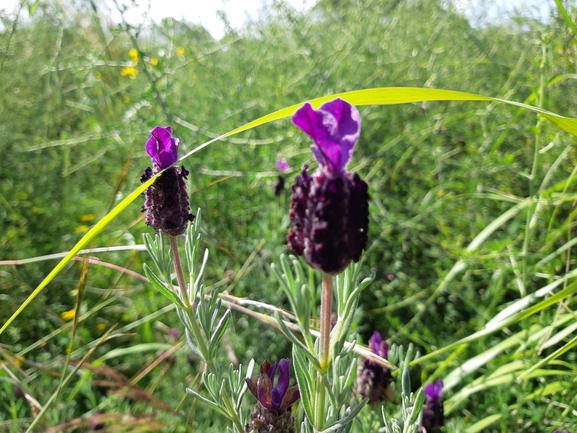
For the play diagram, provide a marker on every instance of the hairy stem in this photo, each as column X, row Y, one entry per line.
column 326, row 310
column 179, row 273
column 198, row 336
column 324, row 350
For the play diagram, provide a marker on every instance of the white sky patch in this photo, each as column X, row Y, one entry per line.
column 497, row 11
column 204, row 12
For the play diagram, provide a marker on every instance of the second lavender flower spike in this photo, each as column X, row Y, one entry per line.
column 166, row 201
column 329, row 210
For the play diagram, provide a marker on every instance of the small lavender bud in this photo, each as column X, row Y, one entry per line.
column 433, row 414
column 374, row 380
column 272, row 413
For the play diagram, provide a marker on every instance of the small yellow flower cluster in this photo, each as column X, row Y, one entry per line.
column 133, row 54
column 81, row 228
column 87, row 217
column 68, row 315
column 180, row 51
column 131, row 71
column 154, row 61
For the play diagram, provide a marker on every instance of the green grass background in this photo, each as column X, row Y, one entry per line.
column 73, row 130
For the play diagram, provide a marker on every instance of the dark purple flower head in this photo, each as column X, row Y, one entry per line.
column 379, row 346
column 329, row 208
column 162, row 147
column 435, row 390
column 334, row 128
column 166, row 200
column 274, row 398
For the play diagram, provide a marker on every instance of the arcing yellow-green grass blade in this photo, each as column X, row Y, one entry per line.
column 375, row 96
column 403, row 95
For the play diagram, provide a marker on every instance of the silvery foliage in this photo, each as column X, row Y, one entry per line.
column 409, row 418
column 339, row 411
column 205, row 322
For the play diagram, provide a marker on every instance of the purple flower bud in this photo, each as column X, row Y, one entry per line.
column 162, row 147
column 379, row 346
column 174, row 333
column 274, row 398
column 433, row 414
column 374, row 380
column 166, row 200
column 272, row 413
column 282, row 165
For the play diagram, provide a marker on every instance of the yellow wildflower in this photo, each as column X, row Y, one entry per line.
column 126, row 100
column 180, row 51
column 101, row 326
column 129, row 71
column 68, row 351
column 154, row 61
column 87, row 217
column 68, row 315
column 81, row 229
column 18, row 362
column 133, row 53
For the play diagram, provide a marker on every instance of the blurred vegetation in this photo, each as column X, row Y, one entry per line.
column 79, row 94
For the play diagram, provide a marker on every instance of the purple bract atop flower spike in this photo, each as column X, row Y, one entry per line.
column 334, row 128
column 162, row 147
column 278, row 397
column 435, row 390
column 329, row 208
column 379, row 346
column 272, row 413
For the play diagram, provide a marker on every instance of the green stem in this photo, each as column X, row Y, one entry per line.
column 319, row 408
column 199, row 338
column 324, row 350
column 232, row 412
column 179, row 273
column 326, row 310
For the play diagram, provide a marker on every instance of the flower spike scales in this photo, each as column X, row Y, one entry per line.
column 166, row 200
column 329, row 210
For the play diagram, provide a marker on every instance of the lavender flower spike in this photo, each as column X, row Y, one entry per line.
column 166, row 200
column 272, row 411
column 373, row 380
column 433, row 414
column 162, row 147
column 329, row 209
